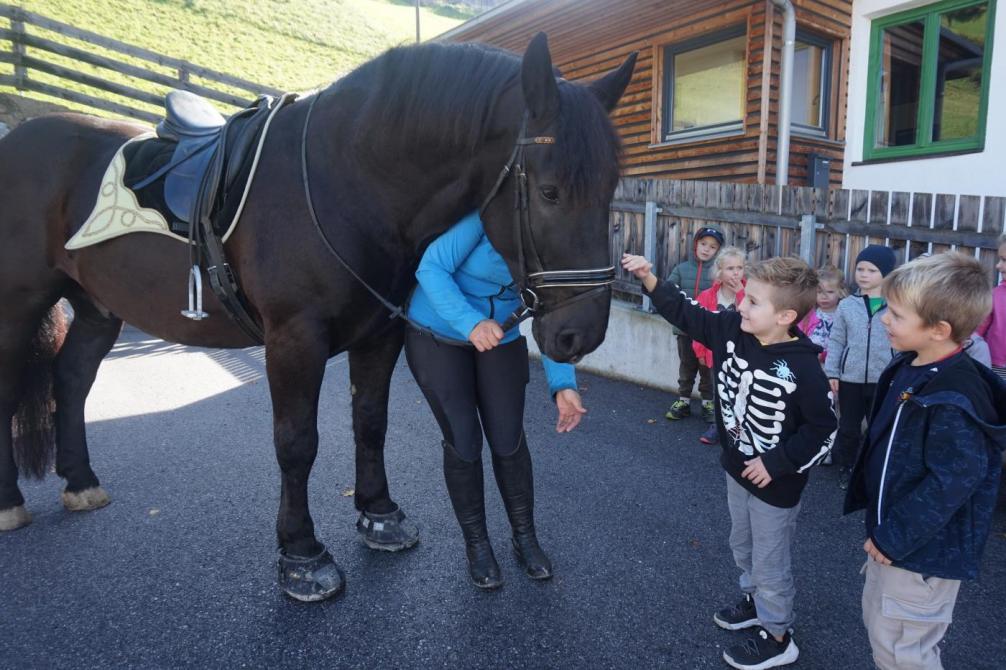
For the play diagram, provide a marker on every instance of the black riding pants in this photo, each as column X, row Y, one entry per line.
column 471, row 391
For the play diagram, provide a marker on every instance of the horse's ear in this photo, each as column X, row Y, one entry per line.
column 610, row 87
column 541, row 93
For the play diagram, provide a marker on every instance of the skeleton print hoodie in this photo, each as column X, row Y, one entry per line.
column 771, row 401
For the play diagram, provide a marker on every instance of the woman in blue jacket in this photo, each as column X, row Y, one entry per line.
column 473, row 376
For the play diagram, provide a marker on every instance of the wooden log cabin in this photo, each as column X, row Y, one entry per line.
column 704, row 99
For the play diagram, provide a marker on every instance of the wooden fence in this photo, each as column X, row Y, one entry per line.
column 658, row 217
column 47, row 54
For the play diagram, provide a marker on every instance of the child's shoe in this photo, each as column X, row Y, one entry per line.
column 760, row 651
column 708, row 411
column 711, row 436
column 736, row 617
column 680, row 408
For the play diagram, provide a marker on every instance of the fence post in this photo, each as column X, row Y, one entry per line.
column 650, row 242
column 808, row 230
column 18, row 50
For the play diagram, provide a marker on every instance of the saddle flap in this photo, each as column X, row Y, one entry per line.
column 181, row 185
column 188, row 115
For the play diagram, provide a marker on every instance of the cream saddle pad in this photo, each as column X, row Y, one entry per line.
column 117, row 211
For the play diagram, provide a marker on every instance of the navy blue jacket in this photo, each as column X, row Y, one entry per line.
column 941, row 470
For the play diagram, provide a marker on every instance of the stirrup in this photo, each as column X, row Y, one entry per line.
column 195, row 310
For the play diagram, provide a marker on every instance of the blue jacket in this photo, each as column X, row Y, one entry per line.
column 941, row 470
column 464, row 280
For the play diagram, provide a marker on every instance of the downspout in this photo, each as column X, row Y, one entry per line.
column 785, row 90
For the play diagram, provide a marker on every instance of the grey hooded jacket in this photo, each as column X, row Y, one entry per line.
column 858, row 350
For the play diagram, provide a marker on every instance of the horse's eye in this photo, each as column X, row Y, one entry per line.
column 550, row 193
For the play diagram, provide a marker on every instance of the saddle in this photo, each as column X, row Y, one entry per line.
column 201, row 184
column 208, row 153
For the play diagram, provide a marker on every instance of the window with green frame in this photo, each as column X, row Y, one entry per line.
column 928, row 84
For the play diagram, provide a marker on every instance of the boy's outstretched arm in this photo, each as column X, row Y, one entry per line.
column 672, row 304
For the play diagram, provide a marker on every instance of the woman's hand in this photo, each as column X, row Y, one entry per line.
column 641, row 268
column 486, row 335
column 570, row 410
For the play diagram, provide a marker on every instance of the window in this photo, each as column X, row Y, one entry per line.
column 928, row 80
column 811, row 85
column 705, row 84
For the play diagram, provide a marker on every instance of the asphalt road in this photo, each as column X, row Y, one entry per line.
column 179, row 571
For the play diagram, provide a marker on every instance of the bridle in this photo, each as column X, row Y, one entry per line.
column 533, row 275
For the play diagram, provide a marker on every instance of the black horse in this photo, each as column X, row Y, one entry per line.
column 398, row 150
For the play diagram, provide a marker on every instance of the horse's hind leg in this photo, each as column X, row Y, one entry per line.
column 90, row 338
column 382, row 523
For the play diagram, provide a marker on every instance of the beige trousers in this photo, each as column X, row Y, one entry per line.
column 906, row 616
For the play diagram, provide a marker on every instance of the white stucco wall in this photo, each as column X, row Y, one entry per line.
column 974, row 174
column 639, row 347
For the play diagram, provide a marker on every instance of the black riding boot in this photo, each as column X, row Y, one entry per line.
column 467, row 491
column 513, row 475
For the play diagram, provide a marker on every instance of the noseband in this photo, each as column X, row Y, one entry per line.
column 533, row 275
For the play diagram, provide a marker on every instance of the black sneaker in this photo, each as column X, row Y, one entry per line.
column 760, row 651
column 736, row 617
column 708, row 411
column 680, row 408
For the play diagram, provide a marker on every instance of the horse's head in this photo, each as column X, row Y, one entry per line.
column 553, row 229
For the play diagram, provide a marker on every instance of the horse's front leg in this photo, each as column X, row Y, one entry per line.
column 382, row 523
column 295, row 362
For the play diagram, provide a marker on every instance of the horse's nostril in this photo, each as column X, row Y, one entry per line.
column 569, row 342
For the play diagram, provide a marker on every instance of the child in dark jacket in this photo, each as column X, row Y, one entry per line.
column 775, row 420
column 694, row 276
column 928, row 473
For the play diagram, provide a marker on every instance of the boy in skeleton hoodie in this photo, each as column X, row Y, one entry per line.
column 775, row 419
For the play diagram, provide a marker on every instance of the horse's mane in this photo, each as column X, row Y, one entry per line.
column 440, row 97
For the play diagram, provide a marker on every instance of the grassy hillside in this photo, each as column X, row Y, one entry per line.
column 286, row 44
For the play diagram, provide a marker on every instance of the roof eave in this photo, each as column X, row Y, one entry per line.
column 481, row 18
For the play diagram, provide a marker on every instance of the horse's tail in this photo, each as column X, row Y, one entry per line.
column 34, row 429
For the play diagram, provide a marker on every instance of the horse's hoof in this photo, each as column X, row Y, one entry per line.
column 387, row 532
column 13, row 518
column 310, row 579
column 86, row 500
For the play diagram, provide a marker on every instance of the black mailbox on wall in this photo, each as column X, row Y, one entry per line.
column 818, row 171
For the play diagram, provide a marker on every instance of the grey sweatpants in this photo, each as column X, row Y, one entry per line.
column 906, row 616
column 760, row 538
